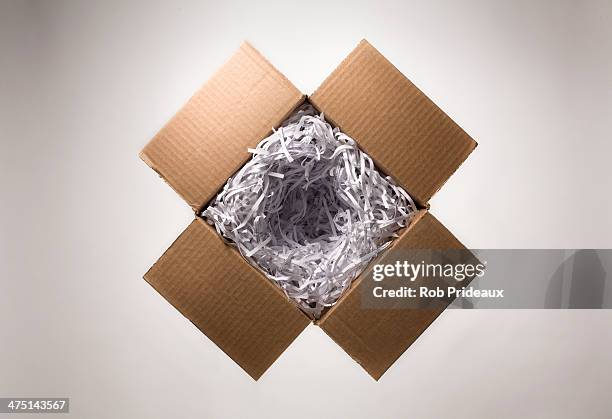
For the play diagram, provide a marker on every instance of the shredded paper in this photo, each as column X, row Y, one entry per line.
column 310, row 210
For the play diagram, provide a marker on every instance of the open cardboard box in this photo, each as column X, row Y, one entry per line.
column 206, row 142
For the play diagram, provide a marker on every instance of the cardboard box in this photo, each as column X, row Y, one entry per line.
column 206, row 142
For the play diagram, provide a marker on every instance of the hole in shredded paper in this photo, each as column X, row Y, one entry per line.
column 310, row 210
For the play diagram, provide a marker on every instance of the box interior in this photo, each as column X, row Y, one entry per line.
column 312, row 217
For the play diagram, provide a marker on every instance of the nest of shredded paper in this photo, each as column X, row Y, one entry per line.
column 310, row 210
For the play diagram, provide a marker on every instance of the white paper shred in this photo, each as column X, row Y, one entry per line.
column 310, row 210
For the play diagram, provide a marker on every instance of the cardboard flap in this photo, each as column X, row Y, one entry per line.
column 206, row 141
column 375, row 338
column 406, row 134
column 239, row 309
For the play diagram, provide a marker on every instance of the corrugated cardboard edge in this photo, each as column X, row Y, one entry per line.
column 343, row 328
column 438, row 130
column 253, row 329
column 241, row 105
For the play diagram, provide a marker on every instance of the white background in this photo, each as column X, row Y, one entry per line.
column 84, row 85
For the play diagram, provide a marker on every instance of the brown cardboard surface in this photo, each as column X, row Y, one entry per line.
column 376, row 338
column 238, row 308
column 206, row 141
column 406, row 134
